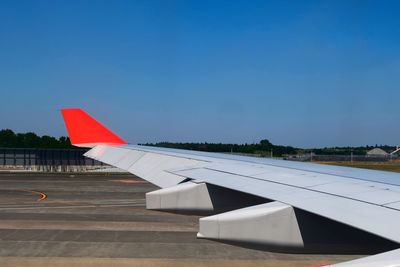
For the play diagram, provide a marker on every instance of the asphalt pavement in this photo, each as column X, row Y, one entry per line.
column 101, row 220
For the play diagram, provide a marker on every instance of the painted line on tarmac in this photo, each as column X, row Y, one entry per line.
column 42, row 196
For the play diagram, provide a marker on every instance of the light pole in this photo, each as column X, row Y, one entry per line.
column 351, row 156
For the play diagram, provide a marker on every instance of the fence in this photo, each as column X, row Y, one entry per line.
column 342, row 158
column 46, row 159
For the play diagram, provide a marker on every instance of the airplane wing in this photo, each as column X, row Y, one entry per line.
column 258, row 202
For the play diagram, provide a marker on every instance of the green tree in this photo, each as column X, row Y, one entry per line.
column 8, row 138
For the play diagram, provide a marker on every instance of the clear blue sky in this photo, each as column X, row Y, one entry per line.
column 302, row 73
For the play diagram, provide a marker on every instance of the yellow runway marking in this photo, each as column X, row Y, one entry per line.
column 42, row 196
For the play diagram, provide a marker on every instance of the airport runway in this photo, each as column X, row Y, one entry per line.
column 101, row 220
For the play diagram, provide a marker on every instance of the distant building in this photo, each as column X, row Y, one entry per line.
column 377, row 152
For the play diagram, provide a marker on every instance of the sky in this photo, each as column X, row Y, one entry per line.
column 301, row 73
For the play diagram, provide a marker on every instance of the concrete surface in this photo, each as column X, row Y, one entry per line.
column 101, row 220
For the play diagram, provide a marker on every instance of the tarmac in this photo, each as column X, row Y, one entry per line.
column 101, row 220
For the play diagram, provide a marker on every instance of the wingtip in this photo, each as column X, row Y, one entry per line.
column 85, row 131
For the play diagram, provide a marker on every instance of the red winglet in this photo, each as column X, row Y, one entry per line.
column 85, row 131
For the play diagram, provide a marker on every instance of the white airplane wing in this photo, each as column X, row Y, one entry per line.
column 258, row 202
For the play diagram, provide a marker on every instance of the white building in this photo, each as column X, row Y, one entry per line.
column 377, row 152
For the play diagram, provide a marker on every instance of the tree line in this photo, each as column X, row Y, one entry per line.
column 264, row 148
column 9, row 139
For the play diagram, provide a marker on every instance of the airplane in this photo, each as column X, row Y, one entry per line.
column 261, row 203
